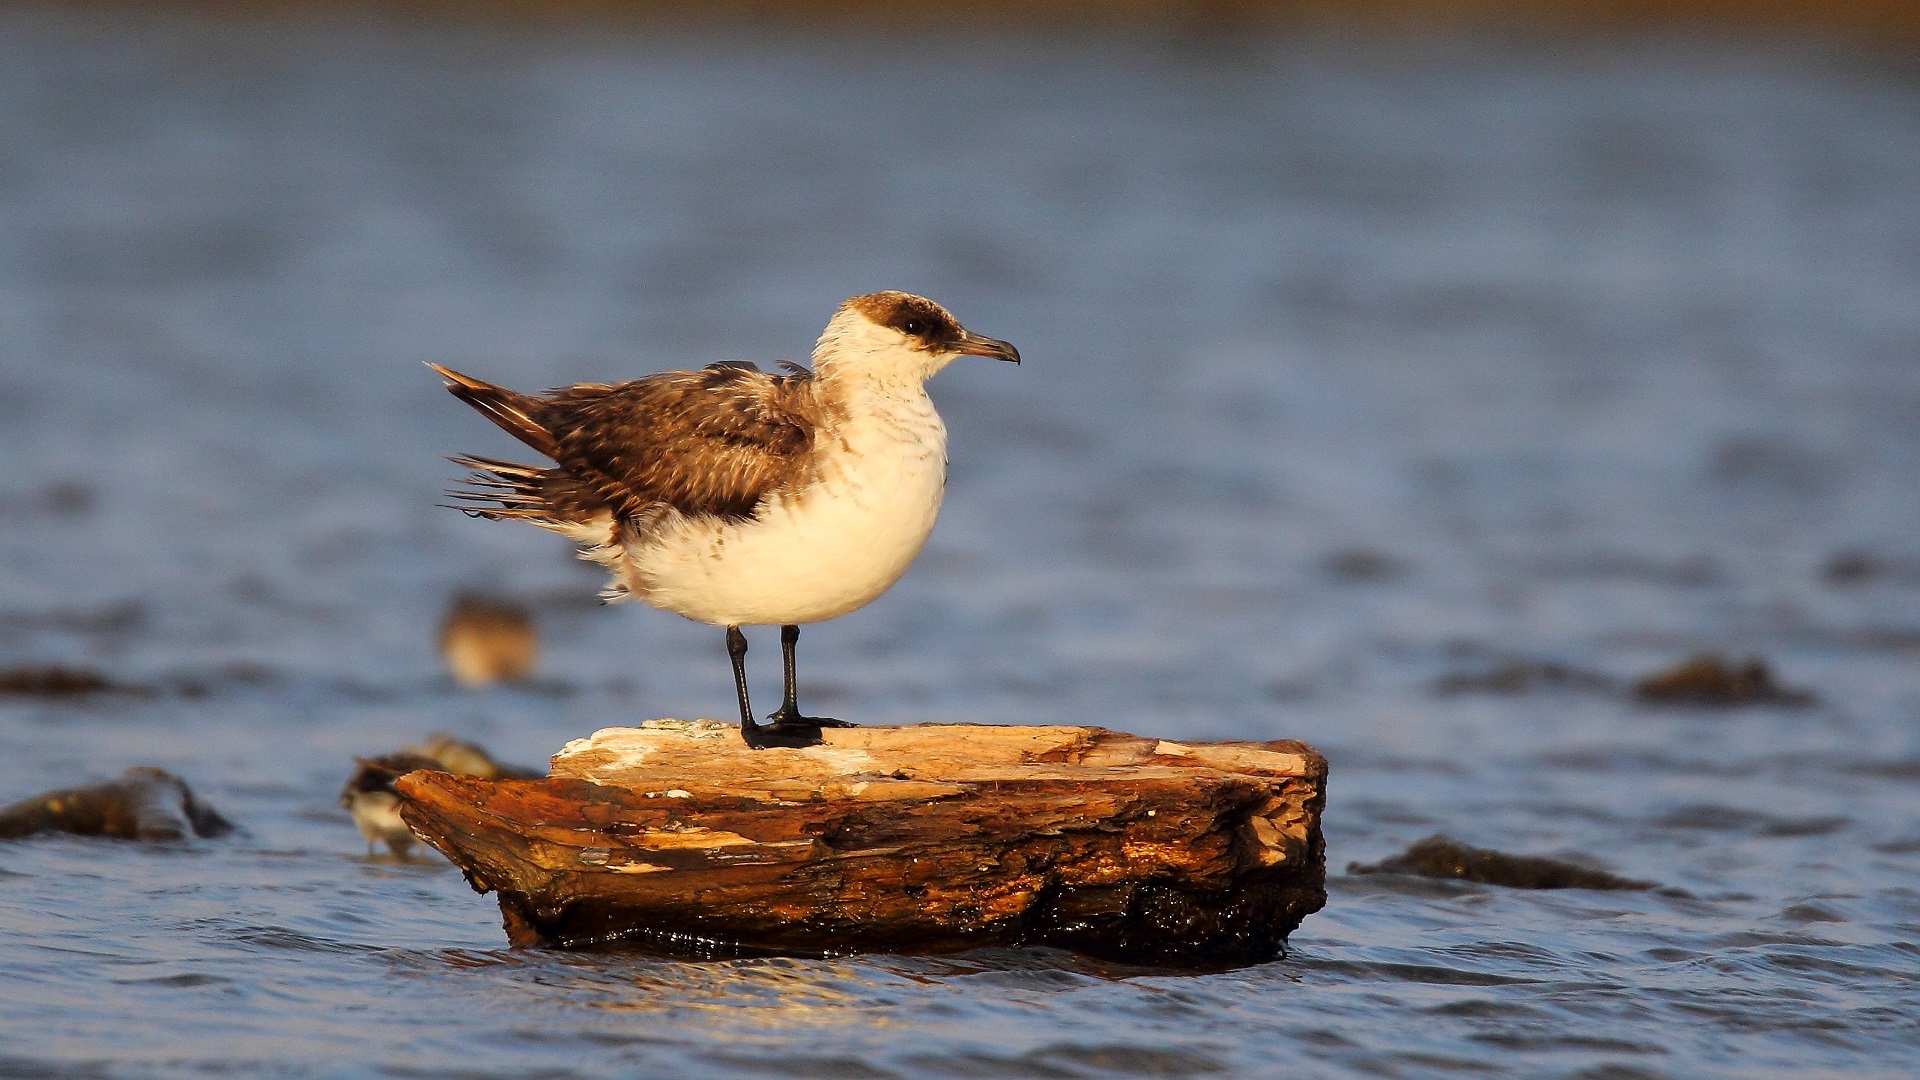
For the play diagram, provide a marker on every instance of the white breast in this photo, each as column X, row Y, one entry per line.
column 816, row 553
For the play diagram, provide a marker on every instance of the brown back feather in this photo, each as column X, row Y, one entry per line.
column 710, row 442
column 715, row 441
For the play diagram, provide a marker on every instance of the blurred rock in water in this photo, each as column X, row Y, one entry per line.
column 486, row 640
column 1441, row 856
column 140, row 804
column 1712, row 679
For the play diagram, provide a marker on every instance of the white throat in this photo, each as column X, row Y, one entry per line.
column 855, row 348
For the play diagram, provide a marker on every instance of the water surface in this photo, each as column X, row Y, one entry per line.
column 1350, row 367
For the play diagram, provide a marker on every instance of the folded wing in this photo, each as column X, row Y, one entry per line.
column 712, row 442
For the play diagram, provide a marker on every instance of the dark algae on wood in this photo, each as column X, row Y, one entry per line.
column 673, row 837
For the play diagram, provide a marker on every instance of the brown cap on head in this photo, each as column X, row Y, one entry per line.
column 931, row 326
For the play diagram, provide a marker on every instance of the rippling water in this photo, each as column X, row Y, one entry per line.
column 1351, row 367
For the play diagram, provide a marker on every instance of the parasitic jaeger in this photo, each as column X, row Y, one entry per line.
column 740, row 498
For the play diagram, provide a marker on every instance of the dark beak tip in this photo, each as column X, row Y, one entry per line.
column 972, row 344
column 1001, row 350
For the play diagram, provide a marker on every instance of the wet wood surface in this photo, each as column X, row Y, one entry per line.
column 674, row 837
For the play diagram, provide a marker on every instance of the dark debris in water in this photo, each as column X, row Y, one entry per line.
column 1685, row 572
column 1362, row 566
column 1767, row 460
column 122, row 617
column 142, row 803
column 1900, row 769
column 1712, row 679
column 58, row 499
column 205, row 684
column 1521, row 676
column 54, row 681
column 1441, row 856
column 1847, row 569
column 1712, row 817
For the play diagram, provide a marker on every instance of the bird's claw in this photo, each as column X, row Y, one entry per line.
column 788, row 729
column 791, row 718
column 795, row 736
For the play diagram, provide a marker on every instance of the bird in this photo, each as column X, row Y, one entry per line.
column 488, row 640
column 370, row 798
column 469, row 759
column 736, row 497
column 375, row 806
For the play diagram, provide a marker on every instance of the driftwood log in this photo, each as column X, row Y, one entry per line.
column 674, row 837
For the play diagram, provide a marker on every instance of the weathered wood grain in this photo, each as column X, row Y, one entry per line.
column 675, row 837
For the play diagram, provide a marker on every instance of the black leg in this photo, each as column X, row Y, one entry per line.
column 777, row 733
column 737, row 652
column 788, row 715
column 790, row 704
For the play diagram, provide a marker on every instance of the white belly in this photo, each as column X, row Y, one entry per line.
column 820, row 553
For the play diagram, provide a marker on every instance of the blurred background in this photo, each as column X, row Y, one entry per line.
column 1407, row 377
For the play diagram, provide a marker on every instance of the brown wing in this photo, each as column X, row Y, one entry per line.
column 714, row 442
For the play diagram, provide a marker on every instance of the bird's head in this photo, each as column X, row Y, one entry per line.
column 898, row 337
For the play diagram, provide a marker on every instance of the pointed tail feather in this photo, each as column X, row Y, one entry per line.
column 499, row 490
column 512, row 411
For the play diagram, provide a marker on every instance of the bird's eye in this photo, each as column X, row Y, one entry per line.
column 913, row 327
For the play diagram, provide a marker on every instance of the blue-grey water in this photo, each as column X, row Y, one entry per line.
column 1351, row 365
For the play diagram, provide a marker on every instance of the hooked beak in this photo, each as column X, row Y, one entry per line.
column 972, row 344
